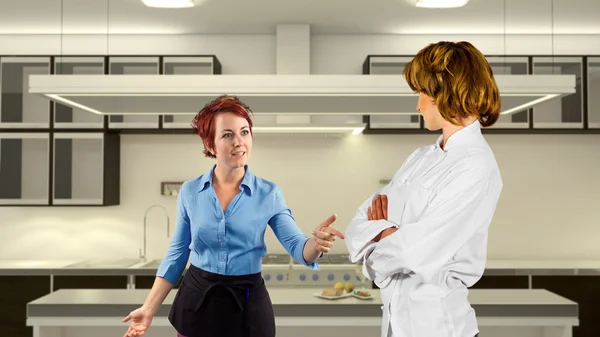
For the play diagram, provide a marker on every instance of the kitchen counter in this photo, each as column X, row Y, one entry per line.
column 300, row 302
column 137, row 267
column 539, row 309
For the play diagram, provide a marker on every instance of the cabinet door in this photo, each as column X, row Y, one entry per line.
column 19, row 108
column 133, row 66
column 78, row 169
column 65, row 116
column 510, row 66
column 565, row 112
column 379, row 65
column 593, row 92
column 24, row 168
column 186, row 66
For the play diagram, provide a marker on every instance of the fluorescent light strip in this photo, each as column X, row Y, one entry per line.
column 441, row 3
column 169, row 3
column 528, row 104
column 355, row 130
column 73, row 104
column 86, row 108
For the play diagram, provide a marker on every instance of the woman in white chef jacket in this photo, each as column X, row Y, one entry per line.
column 423, row 238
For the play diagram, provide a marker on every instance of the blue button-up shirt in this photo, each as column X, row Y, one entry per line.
column 230, row 242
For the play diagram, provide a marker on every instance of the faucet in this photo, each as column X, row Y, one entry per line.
column 143, row 253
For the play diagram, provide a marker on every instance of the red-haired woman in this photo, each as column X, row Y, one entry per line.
column 221, row 220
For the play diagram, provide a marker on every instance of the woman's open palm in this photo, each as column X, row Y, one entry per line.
column 140, row 322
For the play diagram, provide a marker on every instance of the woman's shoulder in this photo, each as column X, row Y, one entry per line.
column 194, row 184
column 266, row 187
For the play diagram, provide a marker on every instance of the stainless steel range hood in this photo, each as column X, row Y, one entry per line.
column 273, row 95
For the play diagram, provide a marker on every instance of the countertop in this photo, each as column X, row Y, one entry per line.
column 301, row 303
column 137, row 267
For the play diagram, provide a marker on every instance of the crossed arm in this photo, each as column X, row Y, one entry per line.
column 422, row 247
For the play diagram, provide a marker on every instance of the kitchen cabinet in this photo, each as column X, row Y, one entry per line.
column 582, row 289
column 24, row 168
column 393, row 65
column 86, row 169
column 89, row 282
column 183, row 65
column 19, row 108
column 565, row 112
column 593, row 90
column 502, row 282
column 510, row 66
column 15, row 293
column 125, row 65
column 66, row 116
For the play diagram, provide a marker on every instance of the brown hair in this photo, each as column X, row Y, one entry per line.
column 203, row 122
column 458, row 78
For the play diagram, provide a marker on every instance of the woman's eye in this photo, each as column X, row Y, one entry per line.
column 227, row 135
column 245, row 132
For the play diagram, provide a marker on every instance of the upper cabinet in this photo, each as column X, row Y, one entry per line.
column 570, row 113
column 510, row 66
column 65, row 116
column 593, row 87
column 86, row 169
column 186, row 65
column 125, row 65
column 565, row 112
column 24, row 168
column 18, row 108
column 393, row 65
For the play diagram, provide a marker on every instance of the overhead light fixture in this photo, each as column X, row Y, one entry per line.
column 169, row 3
column 352, row 130
column 441, row 3
column 272, row 94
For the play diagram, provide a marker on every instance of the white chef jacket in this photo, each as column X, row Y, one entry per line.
column 442, row 202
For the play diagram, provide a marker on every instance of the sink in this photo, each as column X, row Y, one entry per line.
column 105, row 263
column 152, row 264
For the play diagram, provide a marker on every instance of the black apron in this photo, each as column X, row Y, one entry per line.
column 213, row 305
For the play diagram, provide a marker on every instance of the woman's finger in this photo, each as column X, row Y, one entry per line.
column 384, row 206
column 324, row 235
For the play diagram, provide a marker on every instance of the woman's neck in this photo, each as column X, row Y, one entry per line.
column 448, row 129
column 227, row 177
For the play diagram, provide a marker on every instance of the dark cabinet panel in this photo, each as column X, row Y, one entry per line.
column 90, row 282
column 585, row 290
column 15, row 293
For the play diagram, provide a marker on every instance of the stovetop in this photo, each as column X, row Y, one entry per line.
column 276, row 259
column 333, row 259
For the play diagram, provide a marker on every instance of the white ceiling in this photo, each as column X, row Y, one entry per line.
column 325, row 16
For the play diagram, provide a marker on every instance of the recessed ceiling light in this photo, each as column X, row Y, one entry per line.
column 441, row 3
column 169, row 3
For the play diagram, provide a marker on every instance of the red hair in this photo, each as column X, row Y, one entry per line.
column 203, row 122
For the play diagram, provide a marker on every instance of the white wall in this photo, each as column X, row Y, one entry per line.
column 549, row 208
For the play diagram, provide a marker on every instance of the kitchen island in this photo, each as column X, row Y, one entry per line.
column 26, row 280
column 501, row 312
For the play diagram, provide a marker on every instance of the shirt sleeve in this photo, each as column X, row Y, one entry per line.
column 177, row 256
column 287, row 232
column 456, row 212
column 361, row 231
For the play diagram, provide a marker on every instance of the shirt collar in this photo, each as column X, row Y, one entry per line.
column 247, row 181
column 461, row 136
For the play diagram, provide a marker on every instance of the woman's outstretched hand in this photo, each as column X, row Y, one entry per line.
column 325, row 235
column 140, row 322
